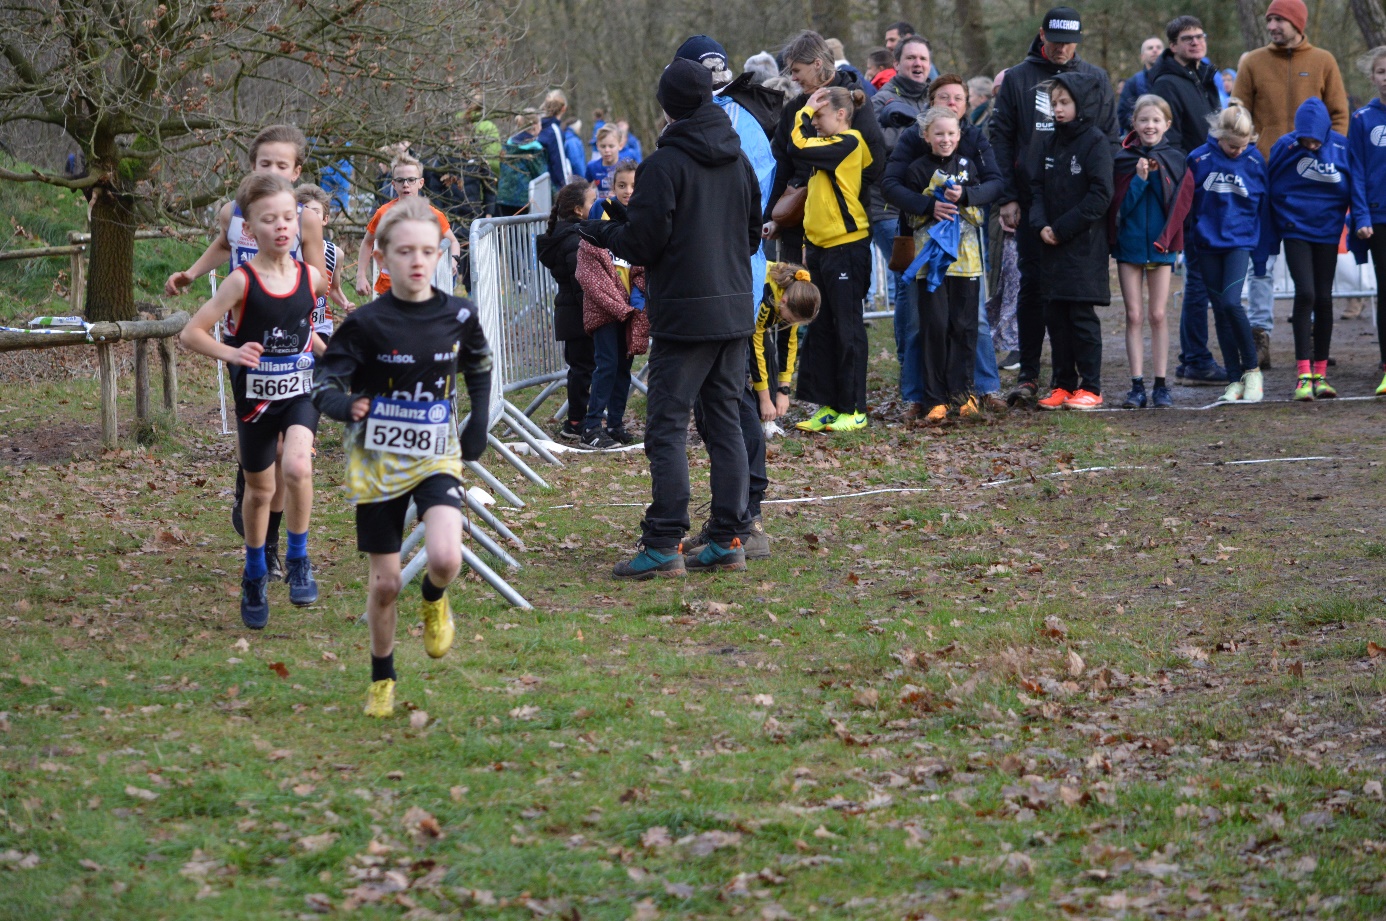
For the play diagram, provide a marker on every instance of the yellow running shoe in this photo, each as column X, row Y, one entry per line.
column 936, row 415
column 848, row 422
column 819, row 421
column 969, row 409
column 1381, row 387
column 380, row 698
column 438, row 630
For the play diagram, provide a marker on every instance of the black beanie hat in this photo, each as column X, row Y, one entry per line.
column 683, row 87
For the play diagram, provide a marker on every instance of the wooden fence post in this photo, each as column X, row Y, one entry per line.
column 106, row 360
column 168, row 357
column 142, row 380
column 77, row 284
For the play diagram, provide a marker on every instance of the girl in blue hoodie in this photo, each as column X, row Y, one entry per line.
column 1227, row 180
column 1311, row 188
column 1367, row 158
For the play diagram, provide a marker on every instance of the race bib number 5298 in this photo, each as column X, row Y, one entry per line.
column 280, row 377
column 415, row 429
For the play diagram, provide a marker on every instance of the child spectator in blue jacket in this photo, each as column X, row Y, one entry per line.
column 1227, row 180
column 1367, row 156
column 1311, row 188
column 601, row 171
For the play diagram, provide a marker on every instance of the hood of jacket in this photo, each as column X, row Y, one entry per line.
column 1313, row 121
column 549, row 247
column 1167, row 63
column 707, row 136
column 1087, row 97
column 907, row 88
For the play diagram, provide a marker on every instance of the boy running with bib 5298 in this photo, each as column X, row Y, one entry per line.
column 269, row 347
column 390, row 373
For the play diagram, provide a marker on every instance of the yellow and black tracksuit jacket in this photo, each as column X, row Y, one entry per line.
column 833, row 213
column 774, row 351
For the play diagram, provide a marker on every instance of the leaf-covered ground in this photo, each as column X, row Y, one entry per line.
column 1019, row 688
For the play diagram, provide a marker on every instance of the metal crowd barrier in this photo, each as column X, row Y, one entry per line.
column 1350, row 280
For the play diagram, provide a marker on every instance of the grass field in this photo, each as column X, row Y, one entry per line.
column 1015, row 690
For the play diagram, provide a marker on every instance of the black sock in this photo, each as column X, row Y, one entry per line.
column 1138, row 383
column 272, row 532
column 383, row 667
column 430, row 591
column 1159, row 382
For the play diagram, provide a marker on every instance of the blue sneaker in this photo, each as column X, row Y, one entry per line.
column 303, row 588
column 1160, row 398
column 712, row 557
column 1135, row 399
column 649, row 563
column 1206, row 376
column 255, row 602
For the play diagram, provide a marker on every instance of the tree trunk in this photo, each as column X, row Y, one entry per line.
column 832, row 19
column 975, row 47
column 1371, row 17
column 1251, row 16
column 111, row 263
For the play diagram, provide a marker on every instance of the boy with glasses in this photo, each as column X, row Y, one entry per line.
column 406, row 175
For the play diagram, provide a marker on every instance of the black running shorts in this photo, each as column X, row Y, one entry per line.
column 380, row 525
column 259, row 440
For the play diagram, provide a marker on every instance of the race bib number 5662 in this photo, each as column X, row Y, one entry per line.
column 280, row 377
column 415, row 429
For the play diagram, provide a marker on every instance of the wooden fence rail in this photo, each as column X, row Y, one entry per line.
column 104, row 336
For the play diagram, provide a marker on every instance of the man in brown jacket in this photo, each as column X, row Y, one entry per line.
column 1272, row 82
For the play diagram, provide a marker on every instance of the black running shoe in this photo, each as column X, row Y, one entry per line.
column 276, row 568
column 622, row 435
column 303, row 588
column 571, row 431
column 255, row 602
column 599, row 440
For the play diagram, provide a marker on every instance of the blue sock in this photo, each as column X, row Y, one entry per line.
column 255, row 567
column 298, row 546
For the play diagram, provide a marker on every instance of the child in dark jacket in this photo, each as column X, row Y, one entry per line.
column 1311, row 185
column 1071, row 190
column 1227, row 181
column 1145, row 225
column 558, row 251
column 613, row 313
column 1367, row 154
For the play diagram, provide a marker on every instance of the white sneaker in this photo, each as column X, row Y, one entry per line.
column 1251, row 386
column 1232, row 394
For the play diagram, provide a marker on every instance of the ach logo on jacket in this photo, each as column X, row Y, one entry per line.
column 1225, row 184
column 1074, row 167
column 1379, row 136
column 1310, row 168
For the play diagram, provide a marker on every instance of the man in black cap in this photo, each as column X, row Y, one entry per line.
column 693, row 223
column 1022, row 110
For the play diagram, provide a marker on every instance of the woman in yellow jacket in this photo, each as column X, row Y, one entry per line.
column 833, row 370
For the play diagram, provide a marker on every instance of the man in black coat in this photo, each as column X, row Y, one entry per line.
column 1022, row 111
column 693, row 223
column 1184, row 80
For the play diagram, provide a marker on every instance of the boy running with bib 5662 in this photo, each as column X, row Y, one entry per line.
column 279, row 150
column 269, row 345
column 390, row 373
